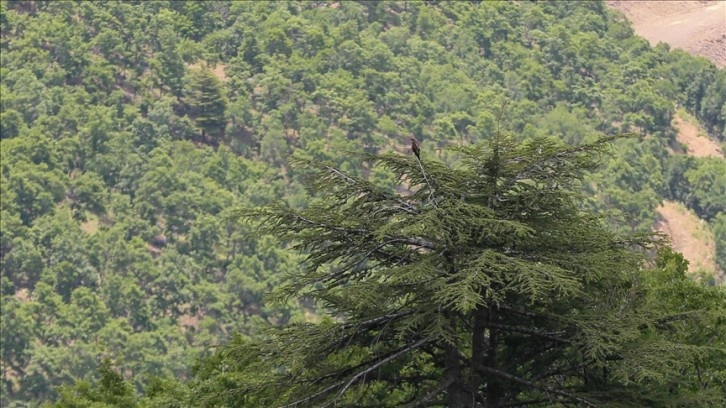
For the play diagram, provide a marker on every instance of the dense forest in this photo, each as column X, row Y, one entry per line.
column 134, row 133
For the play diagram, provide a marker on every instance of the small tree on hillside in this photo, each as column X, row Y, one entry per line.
column 204, row 97
column 167, row 65
column 483, row 286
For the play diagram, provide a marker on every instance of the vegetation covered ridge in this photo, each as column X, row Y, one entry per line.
column 131, row 132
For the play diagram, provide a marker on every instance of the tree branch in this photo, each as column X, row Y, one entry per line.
column 382, row 362
column 524, row 330
column 431, row 190
column 531, row 384
column 315, row 395
column 523, row 403
column 560, row 371
column 428, row 398
column 378, row 249
column 408, row 207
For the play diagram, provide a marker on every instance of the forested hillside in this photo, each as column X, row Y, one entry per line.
column 132, row 132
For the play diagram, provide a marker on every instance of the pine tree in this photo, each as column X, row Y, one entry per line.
column 205, row 99
column 482, row 286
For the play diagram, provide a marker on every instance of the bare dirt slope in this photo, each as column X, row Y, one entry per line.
column 689, row 235
column 698, row 27
column 696, row 141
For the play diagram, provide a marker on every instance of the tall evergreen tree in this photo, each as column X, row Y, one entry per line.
column 480, row 286
column 204, row 97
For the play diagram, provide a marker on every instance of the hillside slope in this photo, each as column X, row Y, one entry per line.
column 690, row 235
column 698, row 27
column 132, row 133
column 691, row 135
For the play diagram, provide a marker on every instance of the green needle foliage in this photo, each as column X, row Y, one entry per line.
column 482, row 285
column 205, row 100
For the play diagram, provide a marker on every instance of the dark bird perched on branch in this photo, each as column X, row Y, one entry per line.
column 415, row 149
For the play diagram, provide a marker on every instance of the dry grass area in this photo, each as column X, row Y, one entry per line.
column 698, row 27
column 695, row 139
column 689, row 235
column 189, row 321
column 90, row 226
column 22, row 294
column 217, row 70
column 311, row 317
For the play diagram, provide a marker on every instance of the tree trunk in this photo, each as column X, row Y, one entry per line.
column 478, row 346
column 493, row 390
column 455, row 393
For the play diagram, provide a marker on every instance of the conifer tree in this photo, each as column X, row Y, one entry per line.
column 205, row 99
column 482, row 286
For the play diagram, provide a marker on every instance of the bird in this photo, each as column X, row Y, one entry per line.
column 415, row 148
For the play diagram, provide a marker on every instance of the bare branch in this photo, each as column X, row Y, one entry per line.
column 431, row 190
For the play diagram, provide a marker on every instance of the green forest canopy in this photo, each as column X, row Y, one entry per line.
column 132, row 131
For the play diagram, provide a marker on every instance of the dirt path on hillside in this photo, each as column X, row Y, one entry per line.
column 698, row 27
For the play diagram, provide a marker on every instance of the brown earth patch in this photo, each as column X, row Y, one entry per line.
column 696, row 140
column 311, row 317
column 218, row 70
column 189, row 321
column 22, row 294
column 698, row 27
column 90, row 226
column 689, row 235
